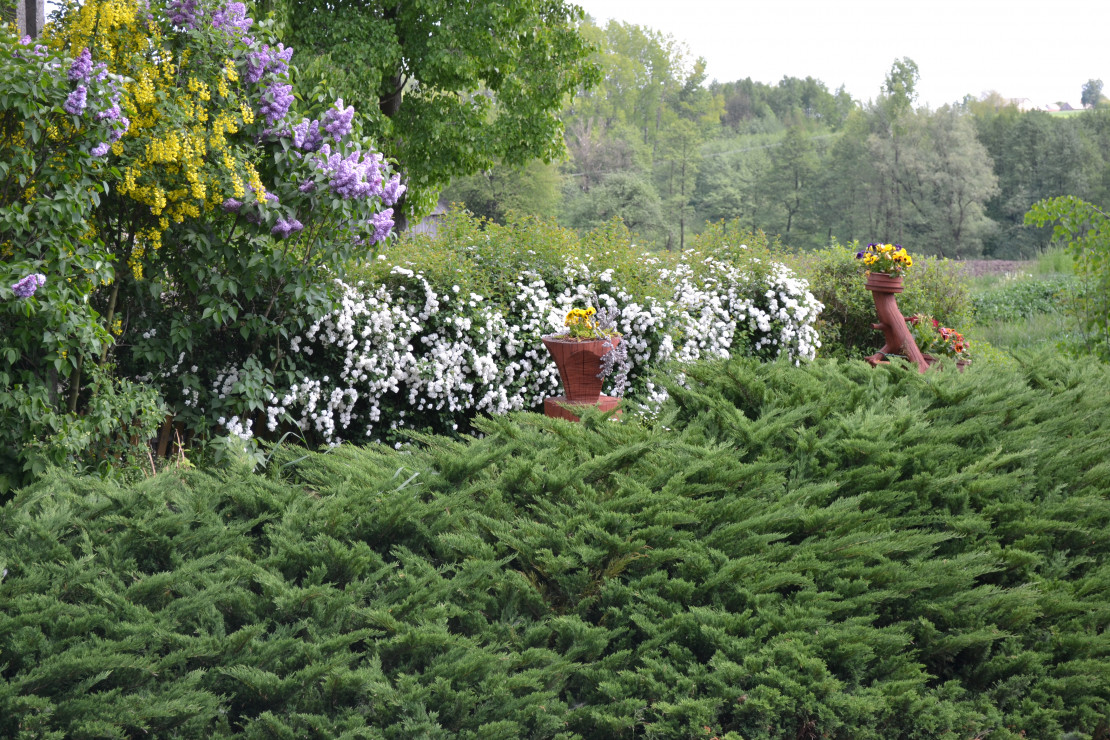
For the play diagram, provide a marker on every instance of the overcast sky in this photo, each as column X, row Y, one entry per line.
column 1044, row 50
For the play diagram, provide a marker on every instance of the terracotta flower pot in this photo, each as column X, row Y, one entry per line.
column 579, row 364
column 880, row 282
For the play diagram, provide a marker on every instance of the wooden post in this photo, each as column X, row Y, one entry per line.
column 30, row 17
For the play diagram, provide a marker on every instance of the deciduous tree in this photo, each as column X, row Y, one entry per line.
column 1092, row 93
column 457, row 87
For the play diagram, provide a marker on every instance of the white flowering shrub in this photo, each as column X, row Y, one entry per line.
column 409, row 351
column 729, row 311
column 435, row 332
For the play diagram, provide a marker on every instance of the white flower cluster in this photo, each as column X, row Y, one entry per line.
column 408, row 355
column 722, row 309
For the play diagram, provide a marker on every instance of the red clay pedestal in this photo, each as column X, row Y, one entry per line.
column 897, row 338
column 558, row 407
column 579, row 364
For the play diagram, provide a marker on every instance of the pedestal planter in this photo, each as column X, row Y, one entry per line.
column 883, row 283
column 898, row 340
column 579, row 364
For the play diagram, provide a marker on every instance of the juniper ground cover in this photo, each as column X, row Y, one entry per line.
column 817, row 551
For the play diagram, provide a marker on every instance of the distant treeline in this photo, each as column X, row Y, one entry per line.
column 657, row 146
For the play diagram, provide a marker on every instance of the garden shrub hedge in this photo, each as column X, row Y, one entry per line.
column 825, row 551
column 437, row 330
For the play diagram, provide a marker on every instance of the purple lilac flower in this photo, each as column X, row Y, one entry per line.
column 232, row 206
column 284, row 228
column 25, row 41
column 100, row 149
column 75, row 103
column 117, row 132
column 337, row 121
column 307, row 136
column 26, row 287
column 81, row 67
column 308, row 186
column 233, row 19
column 383, row 223
column 267, row 61
column 183, row 13
column 276, row 102
column 353, row 176
column 393, row 190
column 111, row 114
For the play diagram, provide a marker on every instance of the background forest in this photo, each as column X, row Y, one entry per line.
column 657, row 146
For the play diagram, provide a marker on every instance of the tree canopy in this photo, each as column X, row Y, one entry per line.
column 455, row 87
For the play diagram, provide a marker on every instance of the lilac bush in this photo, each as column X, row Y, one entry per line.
column 261, row 265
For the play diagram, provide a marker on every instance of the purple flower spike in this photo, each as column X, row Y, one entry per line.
column 232, row 206
column 75, row 103
column 267, row 61
column 354, row 176
column 383, row 224
column 393, row 190
column 233, row 19
column 183, row 13
column 307, row 136
column 112, row 114
column 117, row 133
column 101, row 149
column 337, row 121
column 26, row 287
column 284, row 228
column 81, row 67
column 276, row 102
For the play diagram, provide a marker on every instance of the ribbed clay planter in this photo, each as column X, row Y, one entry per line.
column 579, row 364
column 880, row 282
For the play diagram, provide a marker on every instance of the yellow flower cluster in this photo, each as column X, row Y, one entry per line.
column 582, row 323
column 178, row 157
column 199, row 89
column 579, row 316
column 892, row 259
column 135, row 260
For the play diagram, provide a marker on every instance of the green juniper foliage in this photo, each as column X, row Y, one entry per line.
column 830, row 551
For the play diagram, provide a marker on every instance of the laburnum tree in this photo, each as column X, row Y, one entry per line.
column 449, row 88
